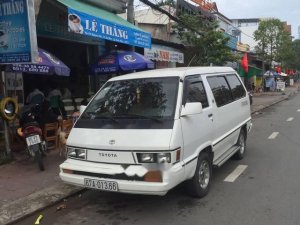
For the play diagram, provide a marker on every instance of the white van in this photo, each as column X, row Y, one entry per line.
column 147, row 132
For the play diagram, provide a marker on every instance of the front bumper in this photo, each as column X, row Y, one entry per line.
column 172, row 176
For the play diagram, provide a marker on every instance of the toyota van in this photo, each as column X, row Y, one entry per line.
column 146, row 132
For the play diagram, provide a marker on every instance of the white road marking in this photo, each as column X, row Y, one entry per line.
column 298, row 110
column 273, row 135
column 290, row 119
column 236, row 173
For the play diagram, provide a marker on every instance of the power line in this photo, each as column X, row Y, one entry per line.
column 175, row 18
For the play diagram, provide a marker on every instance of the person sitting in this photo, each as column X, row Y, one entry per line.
column 35, row 97
column 54, row 92
column 66, row 93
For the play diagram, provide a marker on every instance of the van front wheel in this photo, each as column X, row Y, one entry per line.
column 199, row 185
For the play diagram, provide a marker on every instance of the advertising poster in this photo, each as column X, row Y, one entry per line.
column 14, row 86
column 18, row 42
column 82, row 23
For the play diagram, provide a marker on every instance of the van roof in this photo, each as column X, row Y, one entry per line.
column 174, row 72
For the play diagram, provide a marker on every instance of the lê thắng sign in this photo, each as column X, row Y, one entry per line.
column 85, row 24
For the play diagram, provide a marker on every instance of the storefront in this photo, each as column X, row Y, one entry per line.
column 164, row 56
column 77, row 33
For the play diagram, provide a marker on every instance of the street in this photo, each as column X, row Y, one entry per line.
column 267, row 192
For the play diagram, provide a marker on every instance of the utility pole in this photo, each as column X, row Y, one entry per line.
column 130, row 17
column 5, row 123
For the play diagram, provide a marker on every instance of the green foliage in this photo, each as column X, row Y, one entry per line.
column 274, row 43
column 166, row 2
column 206, row 46
column 296, row 60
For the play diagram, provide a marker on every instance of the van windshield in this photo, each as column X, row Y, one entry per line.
column 148, row 98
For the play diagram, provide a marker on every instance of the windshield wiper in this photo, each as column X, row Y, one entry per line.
column 144, row 117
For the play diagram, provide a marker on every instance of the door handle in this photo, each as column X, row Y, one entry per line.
column 210, row 115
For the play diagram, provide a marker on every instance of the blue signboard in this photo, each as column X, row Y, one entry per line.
column 82, row 23
column 232, row 43
column 17, row 39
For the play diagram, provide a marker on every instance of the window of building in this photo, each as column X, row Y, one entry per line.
column 220, row 89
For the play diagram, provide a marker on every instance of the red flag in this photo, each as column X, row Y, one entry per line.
column 244, row 63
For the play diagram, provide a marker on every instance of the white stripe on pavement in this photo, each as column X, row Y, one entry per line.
column 273, row 135
column 290, row 119
column 236, row 173
column 298, row 110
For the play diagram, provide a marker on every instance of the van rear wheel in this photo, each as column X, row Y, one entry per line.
column 241, row 143
column 199, row 185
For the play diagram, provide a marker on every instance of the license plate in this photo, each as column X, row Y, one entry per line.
column 32, row 140
column 101, row 184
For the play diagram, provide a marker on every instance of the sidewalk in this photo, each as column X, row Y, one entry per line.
column 25, row 189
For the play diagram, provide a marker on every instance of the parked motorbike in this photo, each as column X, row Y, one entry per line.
column 31, row 132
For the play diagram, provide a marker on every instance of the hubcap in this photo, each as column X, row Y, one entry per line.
column 204, row 174
column 242, row 144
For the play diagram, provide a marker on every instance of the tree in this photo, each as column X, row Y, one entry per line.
column 208, row 45
column 274, row 43
column 286, row 53
column 296, row 60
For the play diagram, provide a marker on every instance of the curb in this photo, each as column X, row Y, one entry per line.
column 275, row 102
column 18, row 209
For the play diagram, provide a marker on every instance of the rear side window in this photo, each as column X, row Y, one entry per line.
column 237, row 89
column 220, row 89
column 196, row 91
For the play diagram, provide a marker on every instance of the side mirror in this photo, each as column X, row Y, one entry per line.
column 191, row 108
column 82, row 108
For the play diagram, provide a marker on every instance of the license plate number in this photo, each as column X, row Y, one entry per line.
column 32, row 140
column 101, row 184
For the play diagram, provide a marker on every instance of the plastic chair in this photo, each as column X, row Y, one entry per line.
column 78, row 101
column 69, row 110
column 67, row 102
column 50, row 135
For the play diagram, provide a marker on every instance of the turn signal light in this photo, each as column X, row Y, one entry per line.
column 67, row 171
column 153, row 176
column 178, row 155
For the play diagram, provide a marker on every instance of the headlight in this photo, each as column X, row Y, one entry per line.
column 77, row 153
column 154, row 157
column 146, row 157
column 164, row 157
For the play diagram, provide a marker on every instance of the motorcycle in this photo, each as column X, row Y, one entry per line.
column 31, row 132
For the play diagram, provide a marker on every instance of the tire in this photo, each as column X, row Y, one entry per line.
column 38, row 158
column 242, row 145
column 3, row 104
column 199, row 185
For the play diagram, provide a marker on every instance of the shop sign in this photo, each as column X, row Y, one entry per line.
column 82, row 23
column 18, row 42
column 280, row 85
column 164, row 55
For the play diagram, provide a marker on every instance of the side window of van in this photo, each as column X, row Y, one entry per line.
column 237, row 89
column 220, row 89
column 196, row 91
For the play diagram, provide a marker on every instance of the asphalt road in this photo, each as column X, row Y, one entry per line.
column 267, row 192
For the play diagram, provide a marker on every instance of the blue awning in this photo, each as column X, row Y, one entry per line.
column 89, row 20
